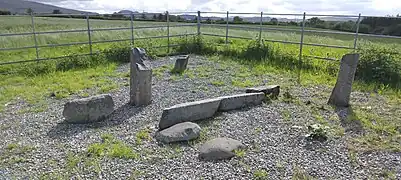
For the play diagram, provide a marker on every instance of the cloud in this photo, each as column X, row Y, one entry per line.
column 354, row 7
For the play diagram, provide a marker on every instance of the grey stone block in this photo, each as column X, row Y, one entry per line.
column 219, row 149
column 140, row 78
column 341, row 93
column 181, row 63
column 270, row 90
column 187, row 112
column 180, row 132
column 88, row 110
column 239, row 101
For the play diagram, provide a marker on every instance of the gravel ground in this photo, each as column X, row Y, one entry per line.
column 273, row 132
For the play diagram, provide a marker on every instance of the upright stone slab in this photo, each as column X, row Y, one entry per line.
column 271, row 90
column 140, row 78
column 181, row 63
column 342, row 90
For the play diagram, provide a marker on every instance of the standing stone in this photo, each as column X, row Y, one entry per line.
column 181, row 63
column 341, row 93
column 140, row 78
column 88, row 110
column 185, row 131
column 219, row 148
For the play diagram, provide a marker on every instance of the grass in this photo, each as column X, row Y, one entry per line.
column 260, row 174
column 112, row 148
column 15, row 154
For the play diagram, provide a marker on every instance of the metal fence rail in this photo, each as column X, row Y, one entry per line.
column 256, row 27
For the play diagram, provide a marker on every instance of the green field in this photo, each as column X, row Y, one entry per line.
column 286, row 55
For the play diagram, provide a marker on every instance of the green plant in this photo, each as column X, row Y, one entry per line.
column 143, row 134
column 111, row 147
column 260, row 174
column 317, row 132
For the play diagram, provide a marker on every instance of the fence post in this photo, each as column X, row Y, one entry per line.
column 357, row 31
column 34, row 36
column 89, row 33
column 261, row 24
column 168, row 32
column 132, row 29
column 300, row 49
column 227, row 29
column 199, row 23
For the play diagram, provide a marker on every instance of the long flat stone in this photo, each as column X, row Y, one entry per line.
column 273, row 90
column 239, row 101
column 190, row 111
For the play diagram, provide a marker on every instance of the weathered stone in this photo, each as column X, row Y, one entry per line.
column 180, row 132
column 270, row 90
column 88, row 110
column 181, row 63
column 187, row 112
column 140, row 78
column 219, row 148
column 239, row 101
column 341, row 93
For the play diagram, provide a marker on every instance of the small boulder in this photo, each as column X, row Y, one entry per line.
column 185, row 131
column 88, row 110
column 272, row 90
column 181, row 64
column 219, row 149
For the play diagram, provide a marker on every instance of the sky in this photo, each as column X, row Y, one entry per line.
column 341, row 7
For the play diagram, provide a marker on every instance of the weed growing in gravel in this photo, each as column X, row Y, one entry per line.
column 240, row 153
column 353, row 158
column 317, row 132
column 287, row 97
column 280, row 165
column 299, row 174
column 108, row 88
column 143, row 134
column 135, row 174
column 217, row 83
column 258, row 130
column 286, row 115
column 113, row 148
column 260, row 174
column 72, row 161
column 388, row 174
column 15, row 154
column 243, row 83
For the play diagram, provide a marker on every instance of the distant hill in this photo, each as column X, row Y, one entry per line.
column 20, row 7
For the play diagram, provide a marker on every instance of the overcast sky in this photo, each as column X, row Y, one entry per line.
column 366, row 7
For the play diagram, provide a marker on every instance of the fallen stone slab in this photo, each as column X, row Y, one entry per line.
column 187, row 112
column 88, row 110
column 219, row 149
column 270, row 90
column 185, row 131
column 239, row 101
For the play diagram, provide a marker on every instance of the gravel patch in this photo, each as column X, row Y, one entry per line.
column 275, row 141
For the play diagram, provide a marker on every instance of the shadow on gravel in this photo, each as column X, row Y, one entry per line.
column 119, row 116
column 349, row 120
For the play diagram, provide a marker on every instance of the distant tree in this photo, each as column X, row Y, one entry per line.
column 160, row 17
column 154, row 17
column 5, row 12
column 208, row 21
column 274, row 21
column 143, row 16
column 314, row 21
column 57, row 11
column 237, row 19
column 29, row 11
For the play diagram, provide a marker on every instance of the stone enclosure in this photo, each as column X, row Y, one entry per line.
column 178, row 123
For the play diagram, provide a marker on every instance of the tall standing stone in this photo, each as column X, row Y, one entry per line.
column 341, row 93
column 140, row 78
